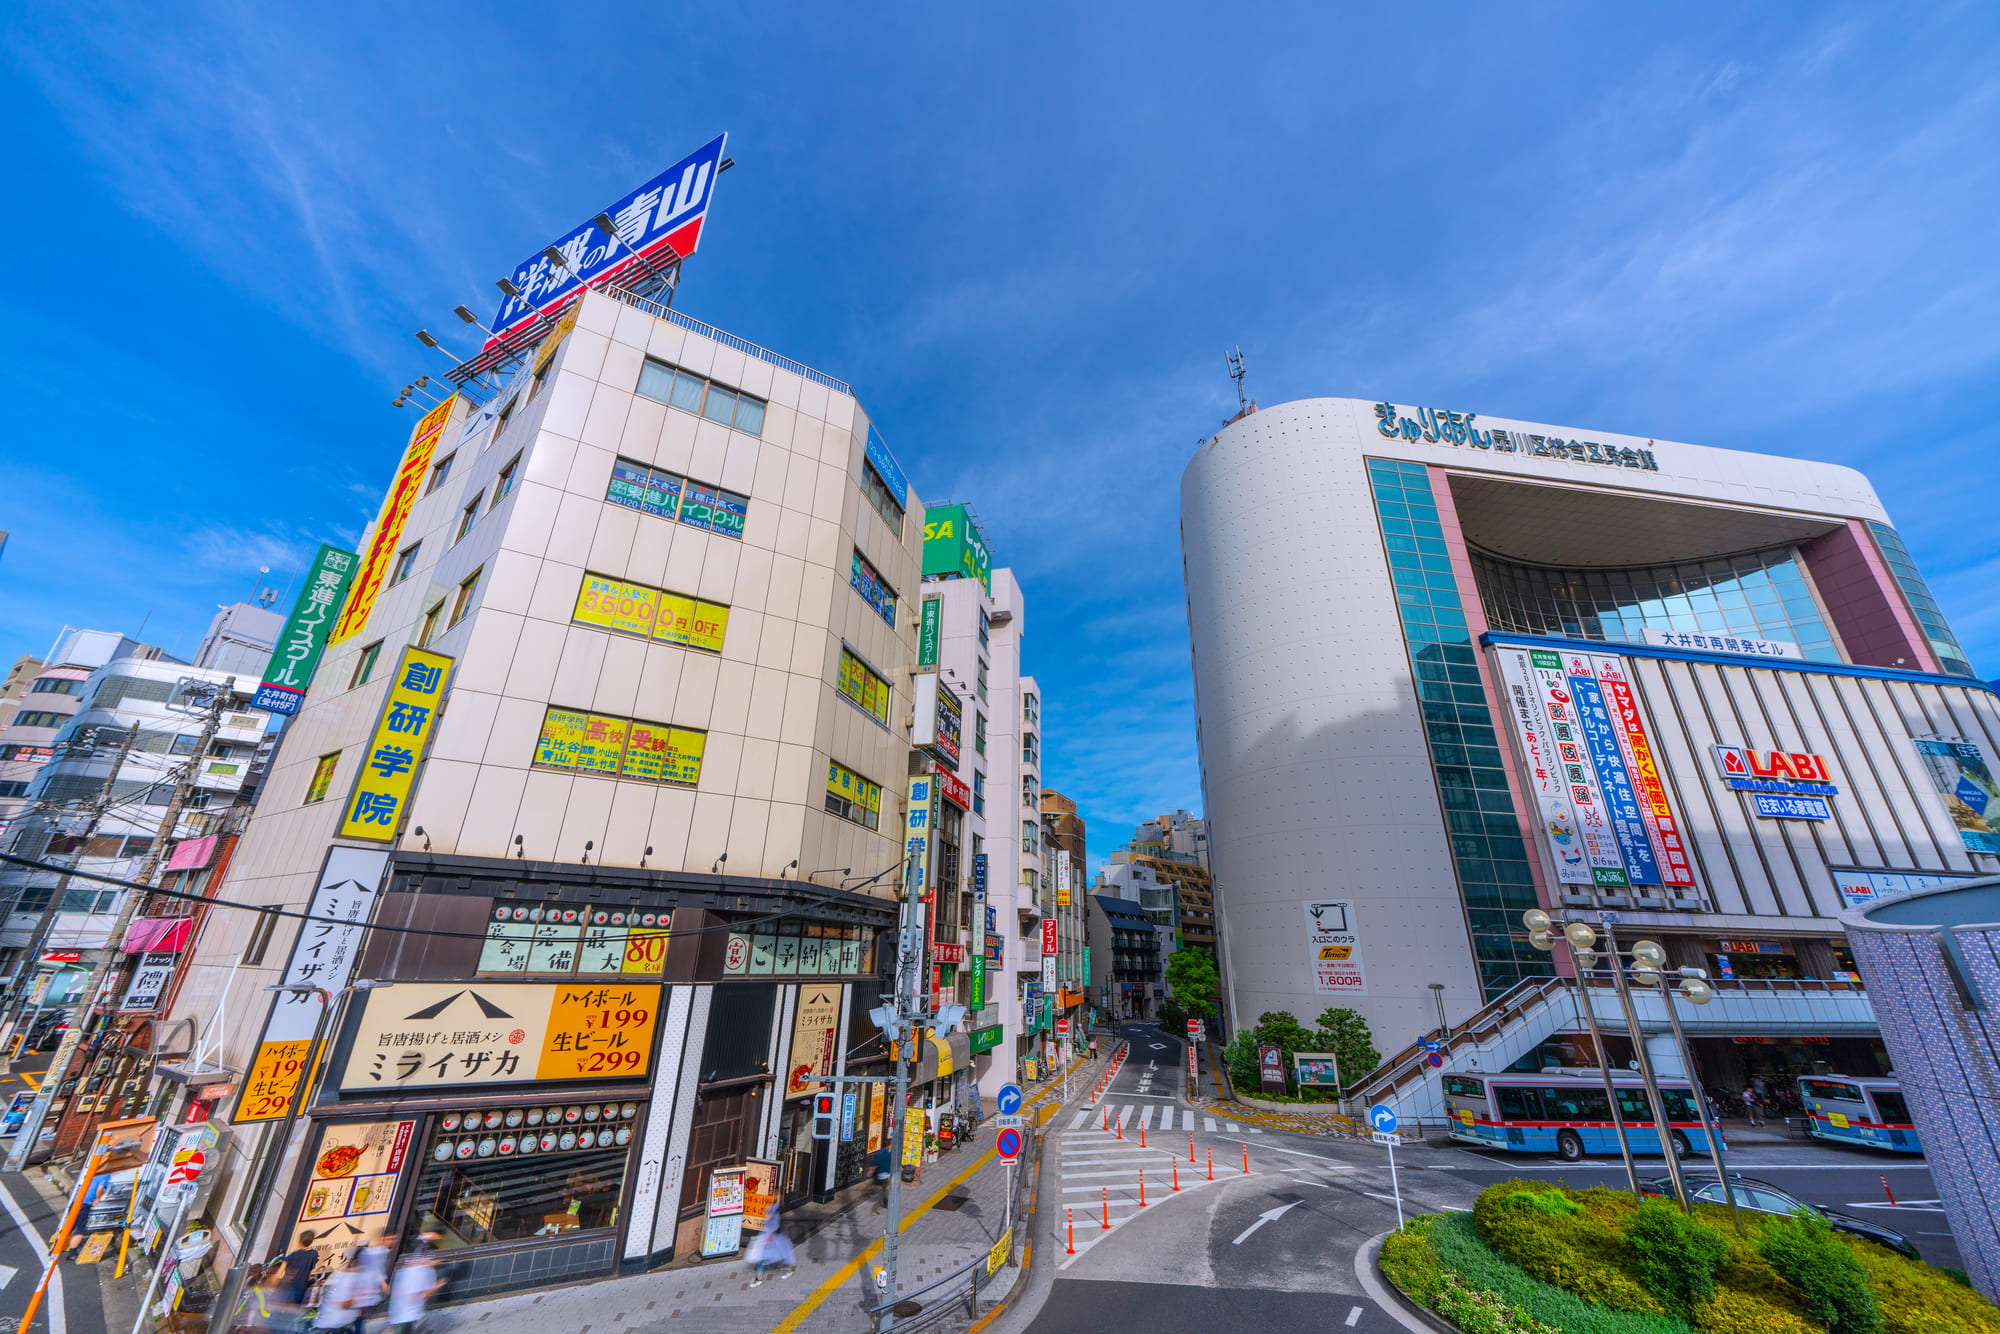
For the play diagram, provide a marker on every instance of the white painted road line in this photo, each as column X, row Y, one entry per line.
column 7, row 1273
column 58, row 1321
column 1208, row 1124
column 1146, row 1117
column 1908, row 1207
column 1187, row 1119
column 1125, row 1117
column 1354, row 1316
column 1081, row 1117
column 1338, row 1166
column 1268, row 1216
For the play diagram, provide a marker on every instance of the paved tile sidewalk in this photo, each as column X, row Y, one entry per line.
column 715, row 1295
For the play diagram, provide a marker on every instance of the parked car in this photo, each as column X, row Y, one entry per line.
column 48, row 1030
column 1764, row 1198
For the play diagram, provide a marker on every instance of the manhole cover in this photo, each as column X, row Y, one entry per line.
column 904, row 1310
column 953, row 1202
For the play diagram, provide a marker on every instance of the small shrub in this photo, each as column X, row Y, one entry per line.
column 1456, row 1243
column 1917, row 1299
column 1805, row 1250
column 1551, row 1202
column 1409, row 1261
column 1725, row 1312
column 1574, row 1251
column 1673, row 1256
column 1477, row 1311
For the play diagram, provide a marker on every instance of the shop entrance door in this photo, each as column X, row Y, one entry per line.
column 795, row 1150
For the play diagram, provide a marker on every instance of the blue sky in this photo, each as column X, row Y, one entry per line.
column 1026, row 236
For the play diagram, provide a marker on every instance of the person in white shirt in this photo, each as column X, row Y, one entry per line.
column 417, row 1280
column 346, row 1294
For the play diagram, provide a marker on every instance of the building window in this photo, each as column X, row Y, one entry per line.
column 14, row 788
column 506, row 415
column 1922, row 605
column 874, row 590
column 1031, row 710
column 463, row 602
column 979, row 733
column 439, row 471
column 620, row 747
column 651, row 613
column 364, row 665
column 1031, row 749
column 406, row 561
column 1030, row 792
column 466, row 520
column 852, row 797
column 666, row 495
column 56, row 685
column 697, row 394
column 860, row 683
column 978, row 800
column 260, row 937
column 322, row 778
column 541, row 376
column 985, row 622
column 886, row 503
column 40, row 718
column 1031, row 834
column 432, row 620
column 504, row 487
column 979, row 676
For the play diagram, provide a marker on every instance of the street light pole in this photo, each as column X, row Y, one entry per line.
column 1653, row 1098
column 1694, row 986
column 1580, row 938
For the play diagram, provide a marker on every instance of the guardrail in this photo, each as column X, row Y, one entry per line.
column 709, row 331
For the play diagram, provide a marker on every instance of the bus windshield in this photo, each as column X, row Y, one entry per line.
column 1890, row 1109
column 1831, row 1090
column 1458, row 1086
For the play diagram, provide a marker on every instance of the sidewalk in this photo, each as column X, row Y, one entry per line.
column 956, row 1213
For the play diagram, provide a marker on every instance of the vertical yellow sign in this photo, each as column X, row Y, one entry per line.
column 396, row 506
column 389, row 765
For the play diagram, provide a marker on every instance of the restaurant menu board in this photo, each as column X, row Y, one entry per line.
column 430, row 1035
column 353, row 1183
column 722, row 1232
column 760, row 1191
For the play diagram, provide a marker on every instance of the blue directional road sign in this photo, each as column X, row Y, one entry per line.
column 1432, row 1044
column 1008, row 1100
column 1382, row 1117
column 1008, row 1145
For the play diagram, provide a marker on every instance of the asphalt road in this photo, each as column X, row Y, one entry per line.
column 76, row 1308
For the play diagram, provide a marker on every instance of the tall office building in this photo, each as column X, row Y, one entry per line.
column 1519, row 665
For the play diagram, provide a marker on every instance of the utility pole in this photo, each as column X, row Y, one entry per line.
column 32, row 959
column 31, row 1127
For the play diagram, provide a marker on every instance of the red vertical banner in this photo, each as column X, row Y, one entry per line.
column 1048, row 935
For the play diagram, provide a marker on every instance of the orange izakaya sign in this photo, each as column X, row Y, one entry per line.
column 396, row 506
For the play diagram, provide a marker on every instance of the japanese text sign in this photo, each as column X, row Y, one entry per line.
column 389, row 766
column 323, row 955
column 404, row 492
column 304, row 638
column 432, row 1034
column 661, row 220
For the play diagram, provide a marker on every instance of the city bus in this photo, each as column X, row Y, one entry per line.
column 1868, row 1112
column 1564, row 1112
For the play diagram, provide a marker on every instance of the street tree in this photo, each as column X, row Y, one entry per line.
column 1192, row 979
column 1345, row 1033
column 1281, row 1029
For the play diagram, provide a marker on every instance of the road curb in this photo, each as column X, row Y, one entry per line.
column 1368, row 1269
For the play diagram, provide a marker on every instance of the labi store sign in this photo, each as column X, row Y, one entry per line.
column 1437, row 427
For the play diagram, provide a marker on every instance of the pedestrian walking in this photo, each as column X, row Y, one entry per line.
column 770, row 1249
column 344, row 1296
column 297, row 1268
column 375, row 1260
column 1752, row 1104
column 416, row 1281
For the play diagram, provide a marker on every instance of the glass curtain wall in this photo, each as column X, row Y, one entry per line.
column 1897, row 557
column 1761, row 595
column 1486, row 846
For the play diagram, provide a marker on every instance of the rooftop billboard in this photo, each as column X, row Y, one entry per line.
column 665, row 213
column 953, row 544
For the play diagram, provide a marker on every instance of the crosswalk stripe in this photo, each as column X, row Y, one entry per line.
column 1208, row 1124
column 1146, row 1117
column 1125, row 1117
column 1187, row 1119
column 1081, row 1117
column 1232, row 1128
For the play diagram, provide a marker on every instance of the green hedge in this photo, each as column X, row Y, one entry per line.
column 1533, row 1257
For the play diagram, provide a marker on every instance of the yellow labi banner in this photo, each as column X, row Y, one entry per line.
column 396, row 506
column 389, row 766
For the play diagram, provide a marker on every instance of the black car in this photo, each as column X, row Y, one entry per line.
column 1764, row 1198
column 48, row 1031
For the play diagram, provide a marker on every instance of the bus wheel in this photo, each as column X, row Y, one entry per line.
column 1682, row 1149
column 1569, row 1146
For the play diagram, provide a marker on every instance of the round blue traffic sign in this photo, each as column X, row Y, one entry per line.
column 1008, row 1099
column 1382, row 1117
column 1008, row 1145
column 1436, row 1059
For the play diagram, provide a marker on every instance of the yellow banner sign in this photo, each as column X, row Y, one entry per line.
column 998, row 1255
column 616, row 605
column 389, row 765
column 273, row 1082
column 426, row 1034
column 913, row 1136
column 403, row 495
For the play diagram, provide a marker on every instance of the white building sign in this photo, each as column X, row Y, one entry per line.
column 1335, row 948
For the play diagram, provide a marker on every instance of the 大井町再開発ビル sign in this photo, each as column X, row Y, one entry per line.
column 661, row 220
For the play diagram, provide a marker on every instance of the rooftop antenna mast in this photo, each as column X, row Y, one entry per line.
column 1235, row 359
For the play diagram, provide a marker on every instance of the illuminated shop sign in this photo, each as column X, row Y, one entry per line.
column 1455, row 428
column 1798, row 771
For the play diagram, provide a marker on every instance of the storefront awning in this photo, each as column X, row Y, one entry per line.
column 161, row 934
column 942, row 1055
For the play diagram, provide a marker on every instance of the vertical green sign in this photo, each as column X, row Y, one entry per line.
column 929, row 632
column 293, row 661
column 977, row 1000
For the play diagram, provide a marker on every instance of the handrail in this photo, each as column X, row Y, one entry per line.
column 709, row 331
